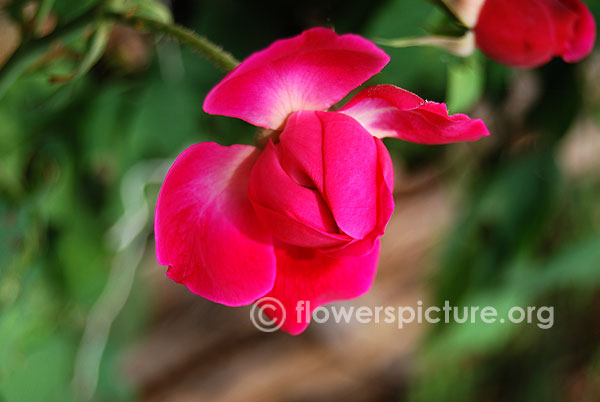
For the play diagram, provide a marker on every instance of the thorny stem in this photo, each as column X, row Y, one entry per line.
column 213, row 53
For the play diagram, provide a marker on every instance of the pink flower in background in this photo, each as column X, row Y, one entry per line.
column 301, row 219
column 529, row 33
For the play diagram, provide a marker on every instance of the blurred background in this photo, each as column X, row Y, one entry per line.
column 90, row 123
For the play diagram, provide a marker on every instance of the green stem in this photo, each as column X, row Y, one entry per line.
column 213, row 53
column 461, row 46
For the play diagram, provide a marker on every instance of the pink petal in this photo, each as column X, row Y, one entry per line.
column 528, row 33
column 305, row 275
column 206, row 230
column 389, row 111
column 518, row 33
column 584, row 35
column 385, row 207
column 322, row 174
column 350, row 164
column 311, row 71
column 295, row 214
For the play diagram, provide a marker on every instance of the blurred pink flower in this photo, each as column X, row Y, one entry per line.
column 301, row 219
column 529, row 33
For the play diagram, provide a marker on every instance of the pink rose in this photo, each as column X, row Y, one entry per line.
column 301, row 219
column 529, row 33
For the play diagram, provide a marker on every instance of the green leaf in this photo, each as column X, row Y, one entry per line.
column 146, row 9
column 96, row 48
column 42, row 13
column 153, row 10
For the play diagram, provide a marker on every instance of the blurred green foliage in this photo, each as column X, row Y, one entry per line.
column 527, row 234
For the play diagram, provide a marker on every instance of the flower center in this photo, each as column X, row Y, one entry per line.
column 262, row 136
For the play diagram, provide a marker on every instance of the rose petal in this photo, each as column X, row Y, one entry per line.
column 528, row 33
column 295, row 214
column 305, row 275
column 516, row 33
column 385, row 178
column 389, row 111
column 206, row 230
column 350, row 173
column 584, row 36
column 311, row 71
column 324, row 154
